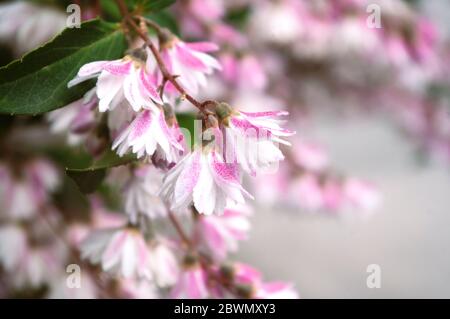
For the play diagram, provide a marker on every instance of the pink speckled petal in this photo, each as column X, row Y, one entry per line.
column 112, row 254
column 118, row 67
column 189, row 60
column 202, row 46
column 266, row 114
column 149, row 88
column 141, row 125
column 92, row 68
column 187, row 179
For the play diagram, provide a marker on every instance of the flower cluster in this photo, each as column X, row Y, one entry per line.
column 171, row 179
column 172, row 206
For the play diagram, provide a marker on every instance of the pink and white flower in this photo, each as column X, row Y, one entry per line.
column 141, row 194
column 204, row 179
column 307, row 191
column 252, row 139
column 189, row 61
column 310, row 156
column 37, row 266
column 252, row 278
column 138, row 289
column 192, row 283
column 362, row 194
column 147, row 134
column 127, row 77
column 22, row 196
column 75, row 119
column 13, row 246
column 25, row 26
column 245, row 74
column 118, row 250
column 333, row 196
column 163, row 264
column 275, row 290
column 220, row 234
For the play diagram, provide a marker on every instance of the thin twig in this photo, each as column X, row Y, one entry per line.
column 162, row 66
column 179, row 229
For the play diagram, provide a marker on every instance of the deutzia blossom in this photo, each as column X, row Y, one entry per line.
column 310, row 156
column 189, row 61
column 275, row 290
column 147, row 134
column 13, row 246
column 37, row 266
column 307, row 191
column 22, row 196
column 141, row 194
column 252, row 138
column 119, row 250
column 127, row 77
column 74, row 119
column 138, row 289
column 252, row 285
column 204, row 179
column 192, row 282
column 221, row 234
column 25, row 26
column 163, row 264
column 362, row 194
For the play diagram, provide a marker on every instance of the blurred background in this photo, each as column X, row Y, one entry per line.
column 408, row 236
column 373, row 100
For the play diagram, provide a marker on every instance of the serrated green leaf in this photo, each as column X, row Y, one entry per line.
column 155, row 5
column 110, row 10
column 107, row 160
column 164, row 19
column 87, row 181
column 37, row 83
column 89, row 176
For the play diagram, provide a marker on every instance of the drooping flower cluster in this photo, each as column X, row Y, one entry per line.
column 165, row 223
column 208, row 178
column 134, row 85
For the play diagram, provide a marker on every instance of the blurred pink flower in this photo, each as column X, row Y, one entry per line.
column 191, row 284
column 118, row 250
column 307, row 192
column 361, row 194
column 310, row 156
column 190, row 62
column 220, row 234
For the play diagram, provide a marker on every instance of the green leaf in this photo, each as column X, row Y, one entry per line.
column 110, row 10
column 164, row 19
column 89, row 176
column 238, row 17
column 107, row 160
column 37, row 83
column 87, row 181
column 156, row 5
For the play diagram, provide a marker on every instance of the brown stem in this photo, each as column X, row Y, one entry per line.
column 162, row 66
column 152, row 24
column 179, row 229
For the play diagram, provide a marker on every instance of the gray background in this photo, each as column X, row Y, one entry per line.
column 327, row 257
column 409, row 237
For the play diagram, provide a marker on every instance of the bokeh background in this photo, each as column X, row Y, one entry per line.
column 408, row 236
